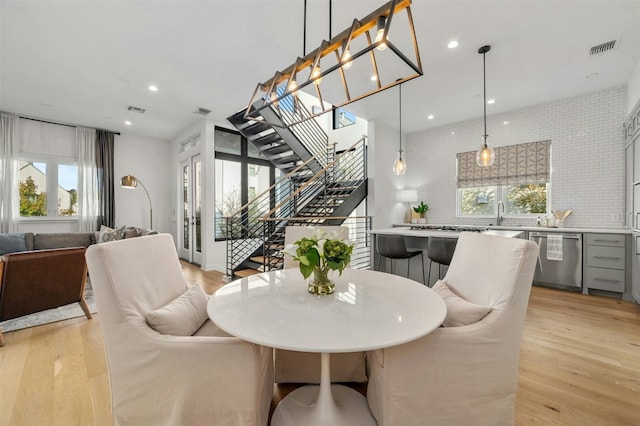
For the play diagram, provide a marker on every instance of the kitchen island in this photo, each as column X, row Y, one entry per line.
column 416, row 239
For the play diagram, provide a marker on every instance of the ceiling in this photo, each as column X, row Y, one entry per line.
column 85, row 62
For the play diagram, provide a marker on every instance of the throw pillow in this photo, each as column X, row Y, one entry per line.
column 109, row 234
column 183, row 316
column 459, row 311
column 12, row 243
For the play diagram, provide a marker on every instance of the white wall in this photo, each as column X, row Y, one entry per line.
column 633, row 89
column 383, row 184
column 587, row 157
column 148, row 160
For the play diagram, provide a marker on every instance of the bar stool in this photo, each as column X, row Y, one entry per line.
column 394, row 247
column 440, row 250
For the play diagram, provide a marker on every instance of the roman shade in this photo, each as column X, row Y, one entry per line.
column 514, row 165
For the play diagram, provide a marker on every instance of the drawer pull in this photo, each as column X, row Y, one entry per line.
column 604, row 280
column 606, row 241
column 606, row 257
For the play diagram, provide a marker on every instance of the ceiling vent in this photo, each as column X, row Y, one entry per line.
column 603, row 48
column 136, row 109
column 202, row 111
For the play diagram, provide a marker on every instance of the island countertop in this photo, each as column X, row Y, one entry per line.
column 422, row 233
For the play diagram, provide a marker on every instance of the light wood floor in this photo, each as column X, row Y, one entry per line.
column 580, row 365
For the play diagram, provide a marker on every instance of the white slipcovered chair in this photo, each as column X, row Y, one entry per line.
column 304, row 367
column 207, row 378
column 468, row 374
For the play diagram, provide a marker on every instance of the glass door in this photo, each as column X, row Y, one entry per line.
column 191, row 194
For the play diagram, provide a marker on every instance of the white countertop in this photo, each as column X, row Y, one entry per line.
column 527, row 228
column 422, row 233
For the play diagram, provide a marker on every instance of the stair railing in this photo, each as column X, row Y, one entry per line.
column 359, row 227
column 241, row 229
column 288, row 197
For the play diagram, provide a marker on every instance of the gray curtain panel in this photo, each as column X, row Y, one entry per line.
column 104, row 162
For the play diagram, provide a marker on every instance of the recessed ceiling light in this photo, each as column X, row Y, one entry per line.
column 430, row 117
column 153, row 88
column 128, row 123
column 453, row 133
column 491, row 101
column 374, row 78
column 505, row 123
column 452, row 44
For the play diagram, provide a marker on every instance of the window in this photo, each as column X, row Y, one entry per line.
column 48, row 189
column 241, row 173
column 519, row 179
column 47, row 170
column 519, row 200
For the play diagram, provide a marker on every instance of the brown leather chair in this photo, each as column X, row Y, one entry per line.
column 35, row 281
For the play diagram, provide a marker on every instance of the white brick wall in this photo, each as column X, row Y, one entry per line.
column 587, row 150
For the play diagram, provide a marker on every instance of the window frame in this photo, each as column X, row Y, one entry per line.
column 245, row 160
column 52, row 179
column 500, row 196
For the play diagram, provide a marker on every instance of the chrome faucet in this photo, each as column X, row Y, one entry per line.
column 500, row 218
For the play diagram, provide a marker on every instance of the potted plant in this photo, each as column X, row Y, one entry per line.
column 422, row 209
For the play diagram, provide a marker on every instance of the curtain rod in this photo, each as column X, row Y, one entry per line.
column 64, row 124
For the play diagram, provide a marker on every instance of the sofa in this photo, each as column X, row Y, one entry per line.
column 40, row 271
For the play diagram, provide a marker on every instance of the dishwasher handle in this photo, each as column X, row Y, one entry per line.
column 564, row 236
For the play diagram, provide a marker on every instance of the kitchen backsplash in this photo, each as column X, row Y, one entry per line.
column 587, row 157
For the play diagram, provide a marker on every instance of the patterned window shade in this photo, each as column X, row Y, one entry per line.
column 515, row 164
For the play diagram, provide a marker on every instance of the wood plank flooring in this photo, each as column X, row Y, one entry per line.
column 580, row 365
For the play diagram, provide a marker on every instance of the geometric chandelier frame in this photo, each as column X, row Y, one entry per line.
column 370, row 35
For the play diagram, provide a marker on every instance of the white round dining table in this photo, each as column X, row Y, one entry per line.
column 368, row 310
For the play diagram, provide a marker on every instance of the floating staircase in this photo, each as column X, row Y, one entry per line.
column 319, row 187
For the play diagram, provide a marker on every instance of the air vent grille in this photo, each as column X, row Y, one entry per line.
column 602, row 48
column 136, row 109
column 202, row 111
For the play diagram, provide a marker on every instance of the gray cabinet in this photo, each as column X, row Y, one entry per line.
column 628, row 185
column 635, row 268
column 606, row 265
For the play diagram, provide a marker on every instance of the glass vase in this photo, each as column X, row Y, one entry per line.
column 320, row 282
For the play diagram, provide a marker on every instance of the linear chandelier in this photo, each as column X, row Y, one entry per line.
column 359, row 62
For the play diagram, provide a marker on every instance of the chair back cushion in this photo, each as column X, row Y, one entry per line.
column 294, row 233
column 135, row 276
column 485, row 269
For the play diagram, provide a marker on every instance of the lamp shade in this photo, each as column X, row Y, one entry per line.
column 408, row 196
column 128, row 181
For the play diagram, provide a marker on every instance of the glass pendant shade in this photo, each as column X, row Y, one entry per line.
column 399, row 166
column 485, row 156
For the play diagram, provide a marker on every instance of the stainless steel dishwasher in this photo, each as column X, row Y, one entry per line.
column 566, row 273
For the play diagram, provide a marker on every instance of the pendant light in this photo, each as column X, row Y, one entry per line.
column 400, row 166
column 485, row 155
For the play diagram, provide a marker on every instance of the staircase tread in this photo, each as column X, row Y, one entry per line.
column 245, row 272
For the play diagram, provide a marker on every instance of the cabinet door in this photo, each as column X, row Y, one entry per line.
column 636, row 206
column 635, row 268
column 636, row 159
column 628, row 186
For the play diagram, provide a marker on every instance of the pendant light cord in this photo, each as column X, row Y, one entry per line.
column 484, row 86
column 400, row 109
column 304, row 31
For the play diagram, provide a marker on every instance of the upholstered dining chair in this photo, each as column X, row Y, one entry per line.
column 465, row 373
column 304, row 367
column 168, row 364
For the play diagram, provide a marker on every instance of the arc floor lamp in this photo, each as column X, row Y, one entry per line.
column 131, row 182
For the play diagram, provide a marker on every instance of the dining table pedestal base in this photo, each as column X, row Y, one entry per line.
column 343, row 406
